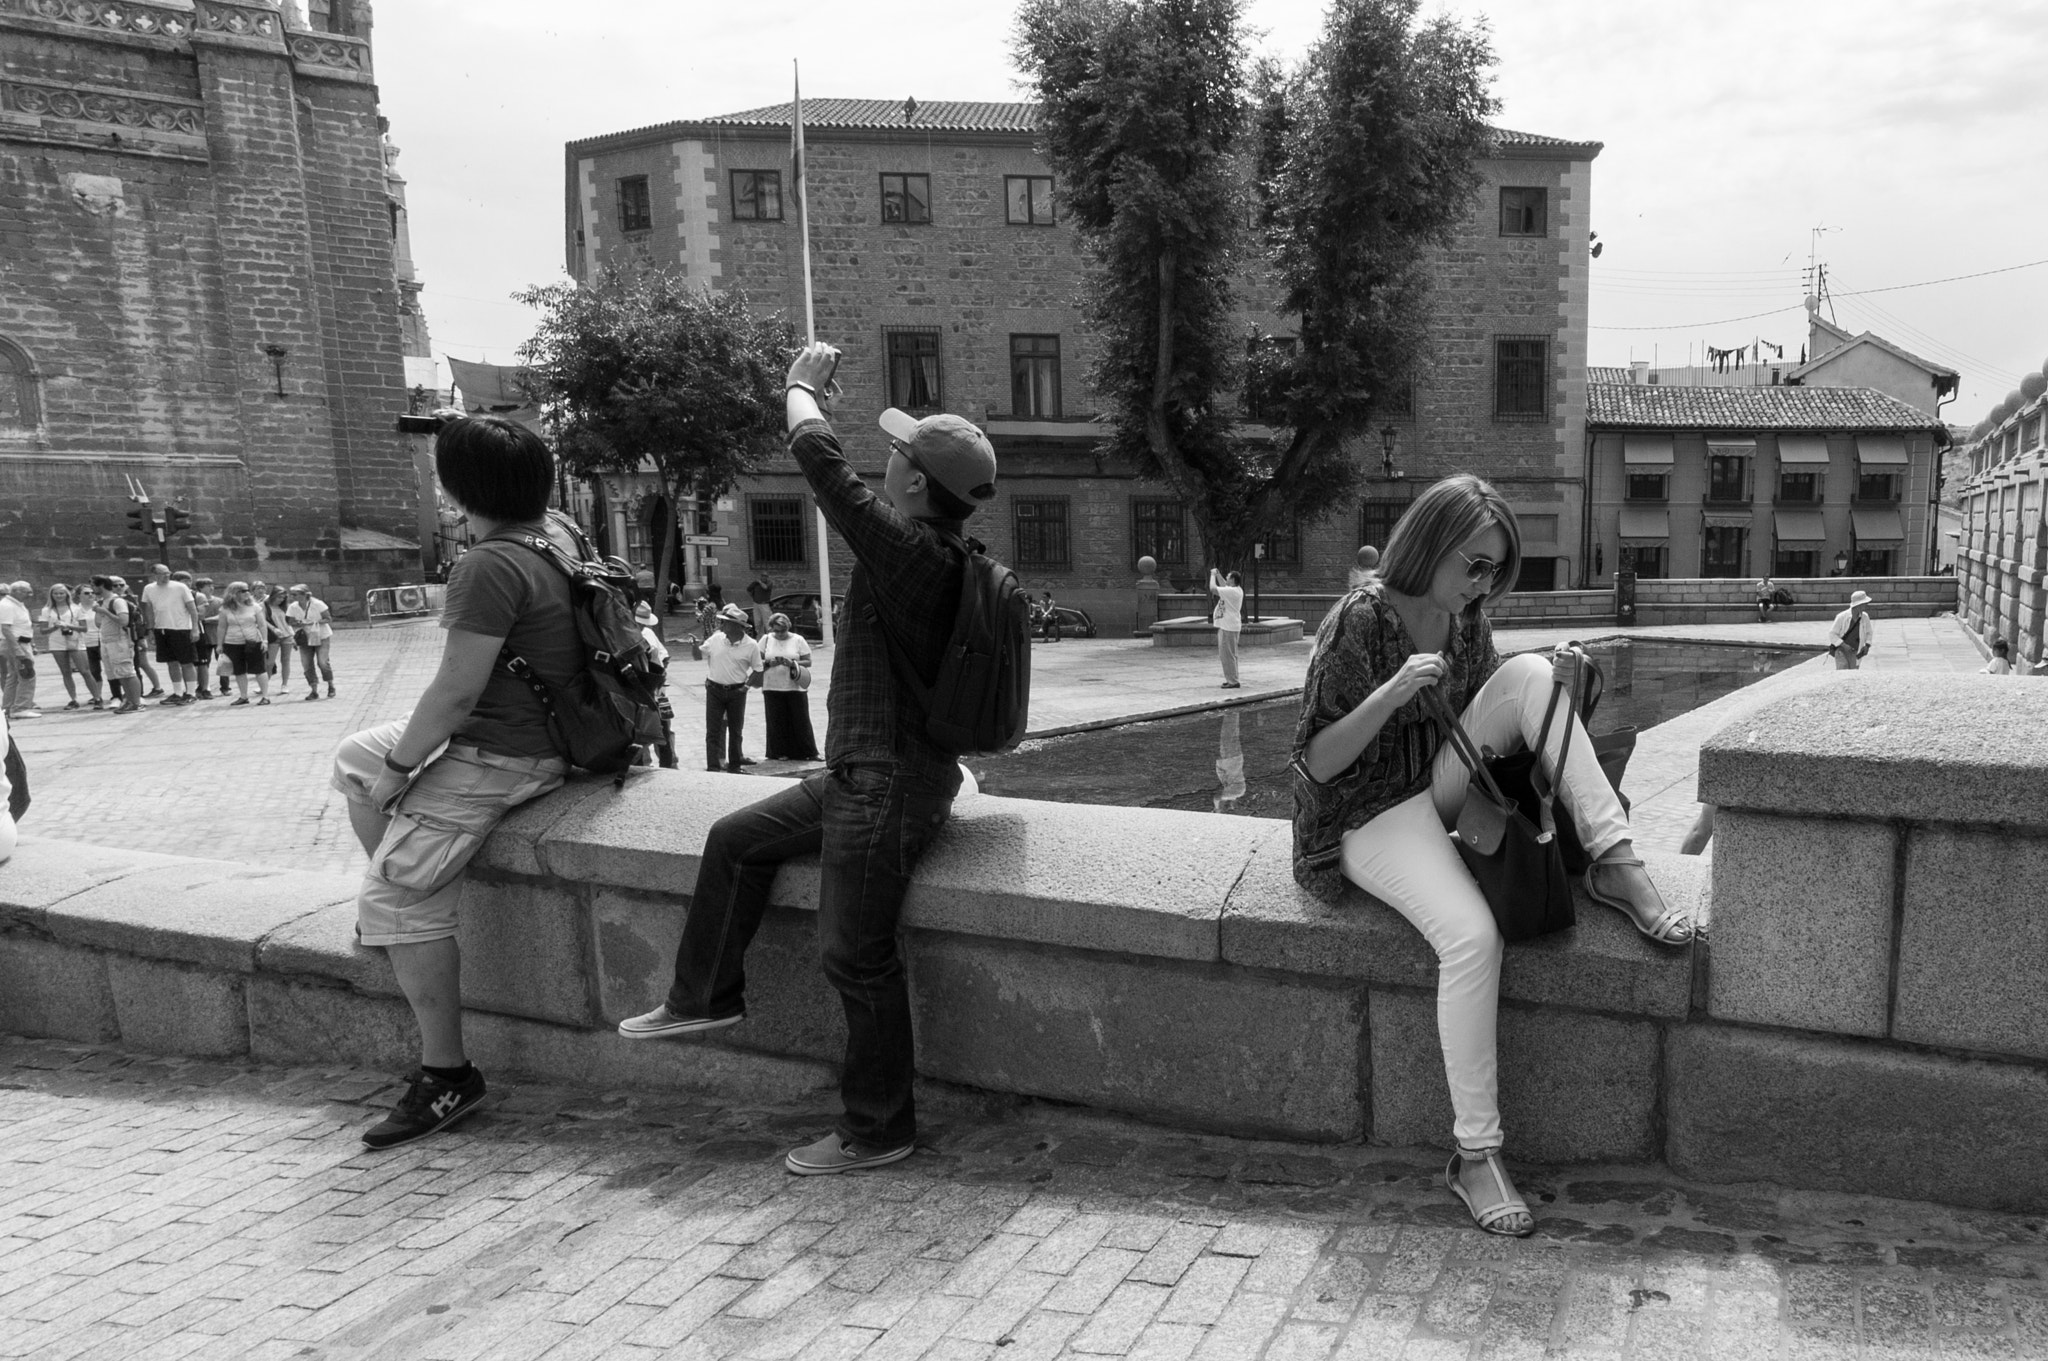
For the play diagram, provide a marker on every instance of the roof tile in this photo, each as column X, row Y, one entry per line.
column 1749, row 408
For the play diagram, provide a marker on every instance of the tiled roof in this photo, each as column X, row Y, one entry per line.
column 1596, row 374
column 1872, row 338
column 1509, row 137
column 1749, row 408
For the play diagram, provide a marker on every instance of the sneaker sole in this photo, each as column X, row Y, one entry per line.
column 679, row 1028
column 447, row 1120
column 894, row 1155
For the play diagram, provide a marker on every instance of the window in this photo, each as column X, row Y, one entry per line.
column 1537, row 574
column 1871, row 562
column 776, row 528
column 1034, row 375
column 1646, row 563
column 1266, row 374
column 1283, row 546
column 1376, row 520
column 1041, row 533
column 906, row 198
column 1725, row 552
column 1521, row 373
column 1727, row 478
column 2030, row 431
column 757, row 195
column 913, row 367
column 1524, row 212
column 1028, row 199
column 1877, row 487
column 1798, row 489
column 1649, row 486
column 1159, row 531
column 1795, row 562
column 19, row 408
column 635, row 213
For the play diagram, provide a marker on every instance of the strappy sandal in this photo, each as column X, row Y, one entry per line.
column 1506, row 1204
column 1671, row 926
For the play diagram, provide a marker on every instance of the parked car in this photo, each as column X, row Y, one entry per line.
column 1073, row 622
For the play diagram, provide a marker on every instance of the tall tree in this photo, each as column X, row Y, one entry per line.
column 1349, row 169
column 646, row 367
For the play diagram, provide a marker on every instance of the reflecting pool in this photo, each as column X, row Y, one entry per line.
column 1235, row 760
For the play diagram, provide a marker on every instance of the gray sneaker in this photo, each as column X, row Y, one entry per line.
column 662, row 1023
column 833, row 1154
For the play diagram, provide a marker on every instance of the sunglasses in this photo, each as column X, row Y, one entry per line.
column 1480, row 569
column 912, row 459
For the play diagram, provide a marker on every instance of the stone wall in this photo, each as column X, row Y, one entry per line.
column 2002, row 557
column 1867, row 1018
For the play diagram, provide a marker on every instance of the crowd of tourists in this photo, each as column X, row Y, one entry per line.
column 106, row 641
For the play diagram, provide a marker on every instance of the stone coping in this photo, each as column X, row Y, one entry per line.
column 1970, row 749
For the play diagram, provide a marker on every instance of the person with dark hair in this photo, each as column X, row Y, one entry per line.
column 117, row 644
column 1228, row 616
column 423, row 792
column 887, row 788
column 312, row 626
column 1376, row 787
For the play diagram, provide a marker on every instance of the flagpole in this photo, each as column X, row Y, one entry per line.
column 803, row 222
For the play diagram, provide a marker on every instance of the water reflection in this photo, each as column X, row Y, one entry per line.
column 1229, row 762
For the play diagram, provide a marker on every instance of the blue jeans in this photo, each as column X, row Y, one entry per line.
column 872, row 824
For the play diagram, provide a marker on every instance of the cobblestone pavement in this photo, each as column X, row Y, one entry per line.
column 156, row 1207
column 250, row 784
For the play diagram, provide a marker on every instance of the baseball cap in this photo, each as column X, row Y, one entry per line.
column 949, row 450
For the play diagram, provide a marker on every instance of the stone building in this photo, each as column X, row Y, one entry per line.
column 942, row 269
column 2002, row 549
column 1755, row 481
column 200, row 291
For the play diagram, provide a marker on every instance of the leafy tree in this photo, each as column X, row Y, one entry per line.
column 646, row 367
column 1166, row 142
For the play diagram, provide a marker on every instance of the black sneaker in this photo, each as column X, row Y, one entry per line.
column 429, row 1104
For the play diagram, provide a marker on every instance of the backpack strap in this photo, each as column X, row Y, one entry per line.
column 899, row 660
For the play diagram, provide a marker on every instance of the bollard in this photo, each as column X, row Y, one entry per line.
column 1147, row 588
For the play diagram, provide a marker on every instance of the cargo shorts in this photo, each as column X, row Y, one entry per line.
column 414, row 882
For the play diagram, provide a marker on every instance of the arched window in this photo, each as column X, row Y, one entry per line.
column 20, row 410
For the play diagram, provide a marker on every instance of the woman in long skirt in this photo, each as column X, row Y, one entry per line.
column 784, row 688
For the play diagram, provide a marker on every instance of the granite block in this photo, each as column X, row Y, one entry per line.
column 524, row 952
column 177, row 1009
column 1833, row 1114
column 1973, row 942
column 1802, row 922
column 647, row 836
column 205, row 912
column 1190, row 1044
column 55, row 991
column 1574, row 1087
column 323, row 945
column 41, row 874
column 513, row 846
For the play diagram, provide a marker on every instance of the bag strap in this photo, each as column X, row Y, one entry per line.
column 1461, row 741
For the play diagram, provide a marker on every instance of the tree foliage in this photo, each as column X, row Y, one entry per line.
column 1197, row 175
column 648, row 367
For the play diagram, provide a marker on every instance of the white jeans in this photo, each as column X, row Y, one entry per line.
column 1226, row 652
column 1404, row 858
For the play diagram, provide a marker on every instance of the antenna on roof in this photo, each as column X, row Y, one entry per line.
column 909, row 111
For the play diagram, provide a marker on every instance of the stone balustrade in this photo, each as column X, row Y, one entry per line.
column 1869, row 1016
column 2002, row 557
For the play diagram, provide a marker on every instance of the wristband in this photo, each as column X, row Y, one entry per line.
column 802, row 387
column 398, row 769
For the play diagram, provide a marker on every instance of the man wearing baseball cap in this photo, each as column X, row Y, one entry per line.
column 886, row 789
column 1852, row 633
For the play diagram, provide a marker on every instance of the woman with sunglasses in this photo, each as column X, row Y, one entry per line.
column 1377, row 789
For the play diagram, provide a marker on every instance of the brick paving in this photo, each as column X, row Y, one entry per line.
column 154, row 1207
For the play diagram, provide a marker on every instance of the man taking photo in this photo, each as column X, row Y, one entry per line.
column 887, row 787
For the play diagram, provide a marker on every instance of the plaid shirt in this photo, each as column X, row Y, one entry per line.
column 905, row 578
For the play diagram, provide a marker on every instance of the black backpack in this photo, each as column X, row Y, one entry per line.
column 603, row 718
column 981, row 701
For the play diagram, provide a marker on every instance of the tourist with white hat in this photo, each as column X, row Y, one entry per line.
column 1853, row 631
column 732, row 664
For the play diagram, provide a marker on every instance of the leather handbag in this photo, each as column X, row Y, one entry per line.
column 1507, row 830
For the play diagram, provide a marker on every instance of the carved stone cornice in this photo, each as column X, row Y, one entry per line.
column 97, row 104
column 253, row 24
column 330, row 55
column 129, row 17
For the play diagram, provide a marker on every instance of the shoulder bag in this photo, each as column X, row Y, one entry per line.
column 1507, row 830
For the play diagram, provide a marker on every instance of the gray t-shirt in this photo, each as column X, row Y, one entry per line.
column 506, row 590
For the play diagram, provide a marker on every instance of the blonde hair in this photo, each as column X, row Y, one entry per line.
column 1444, row 516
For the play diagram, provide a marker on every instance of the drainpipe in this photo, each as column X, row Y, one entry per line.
column 1934, row 483
column 1586, row 518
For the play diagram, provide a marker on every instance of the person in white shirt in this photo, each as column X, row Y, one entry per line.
column 174, row 619
column 63, row 627
column 732, row 663
column 2001, row 659
column 1228, row 616
column 650, row 629
column 310, row 621
column 1853, row 631
column 787, row 658
column 17, row 653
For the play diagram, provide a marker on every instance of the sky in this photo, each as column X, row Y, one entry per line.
column 1912, row 136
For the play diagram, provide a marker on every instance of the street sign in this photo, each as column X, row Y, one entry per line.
column 707, row 540
column 708, row 562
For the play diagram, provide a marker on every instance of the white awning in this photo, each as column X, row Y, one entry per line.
column 1882, row 450
column 1800, row 526
column 1731, row 446
column 1803, row 449
column 1878, row 525
column 1648, row 451
column 1642, row 525
column 1725, row 519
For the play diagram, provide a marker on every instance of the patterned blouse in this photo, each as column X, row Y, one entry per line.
column 1361, row 644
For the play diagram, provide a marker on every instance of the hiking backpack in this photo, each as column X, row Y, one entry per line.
column 981, row 700
column 603, row 718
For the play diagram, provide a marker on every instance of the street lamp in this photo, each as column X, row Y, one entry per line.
column 1387, row 434
column 277, row 354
